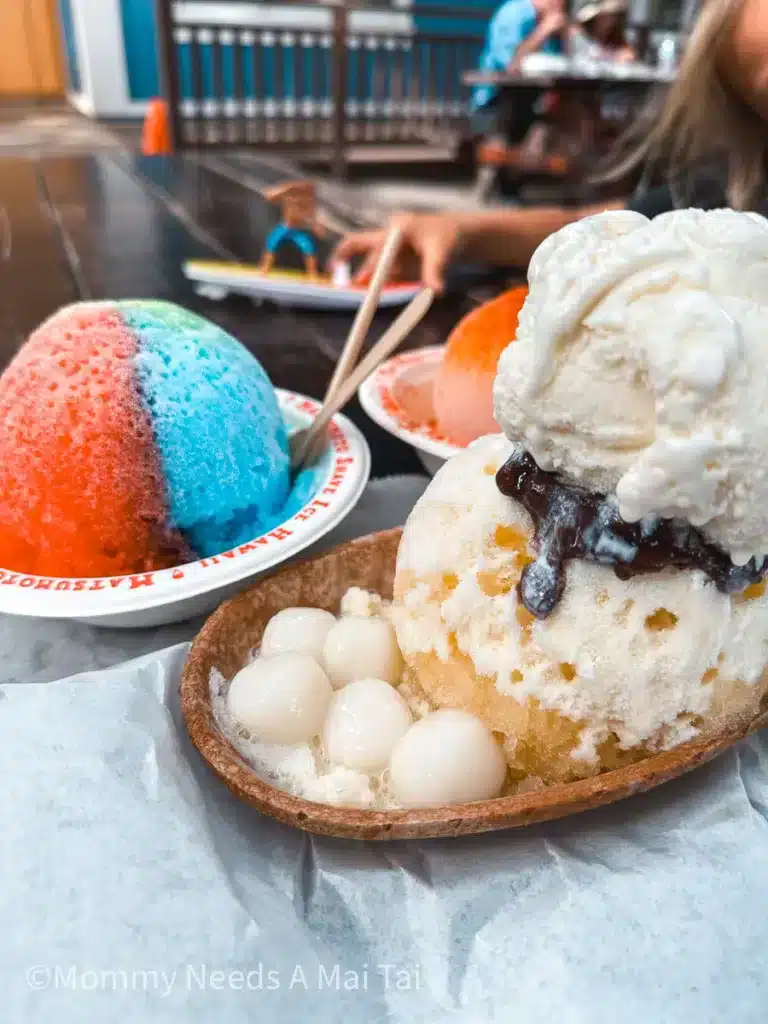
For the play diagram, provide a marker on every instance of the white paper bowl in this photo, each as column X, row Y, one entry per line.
column 398, row 396
column 171, row 595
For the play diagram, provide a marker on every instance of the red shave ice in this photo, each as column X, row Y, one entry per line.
column 463, row 395
column 81, row 480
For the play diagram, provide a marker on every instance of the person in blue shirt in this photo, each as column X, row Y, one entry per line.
column 517, row 28
column 705, row 146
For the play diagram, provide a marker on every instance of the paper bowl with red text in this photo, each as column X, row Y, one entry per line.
column 172, row 595
column 398, row 396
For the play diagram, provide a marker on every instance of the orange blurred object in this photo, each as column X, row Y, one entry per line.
column 463, row 396
column 156, row 134
column 518, row 158
column 493, row 154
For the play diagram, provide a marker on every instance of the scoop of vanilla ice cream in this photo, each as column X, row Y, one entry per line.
column 618, row 669
column 640, row 368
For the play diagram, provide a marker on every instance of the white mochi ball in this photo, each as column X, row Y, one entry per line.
column 365, row 720
column 448, row 757
column 361, row 648
column 282, row 699
column 300, row 630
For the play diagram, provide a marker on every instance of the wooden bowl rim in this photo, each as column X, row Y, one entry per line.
column 454, row 819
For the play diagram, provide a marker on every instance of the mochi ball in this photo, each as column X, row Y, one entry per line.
column 365, row 720
column 299, row 630
column 448, row 757
column 283, row 699
column 361, row 648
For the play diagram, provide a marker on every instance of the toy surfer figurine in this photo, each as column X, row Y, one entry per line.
column 299, row 224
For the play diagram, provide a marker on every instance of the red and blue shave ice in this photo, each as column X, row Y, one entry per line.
column 135, row 436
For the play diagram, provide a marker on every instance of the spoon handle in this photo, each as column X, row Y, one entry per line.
column 366, row 312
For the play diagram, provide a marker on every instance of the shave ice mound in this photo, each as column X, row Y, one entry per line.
column 137, row 436
column 463, row 388
column 591, row 585
column 619, row 670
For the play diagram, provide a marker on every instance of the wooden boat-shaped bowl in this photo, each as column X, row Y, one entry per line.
column 236, row 628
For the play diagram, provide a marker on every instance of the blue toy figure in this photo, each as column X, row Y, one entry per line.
column 299, row 224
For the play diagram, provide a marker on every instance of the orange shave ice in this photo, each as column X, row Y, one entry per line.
column 463, row 395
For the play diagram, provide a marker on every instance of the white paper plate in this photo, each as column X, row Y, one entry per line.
column 171, row 595
column 398, row 396
column 215, row 280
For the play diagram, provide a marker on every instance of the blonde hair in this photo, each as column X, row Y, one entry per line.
column 703, row 116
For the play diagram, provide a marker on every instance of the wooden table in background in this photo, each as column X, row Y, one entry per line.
column 576, row 78
column 585, row 134
column 120, row 226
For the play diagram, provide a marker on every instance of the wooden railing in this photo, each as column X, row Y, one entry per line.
column 322, row 88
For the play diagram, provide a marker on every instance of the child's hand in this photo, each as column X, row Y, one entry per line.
column 428, row 242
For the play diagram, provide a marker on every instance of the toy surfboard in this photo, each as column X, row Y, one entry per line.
column 216, row 279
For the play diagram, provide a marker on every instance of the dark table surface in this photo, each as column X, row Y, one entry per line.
column 119, row 226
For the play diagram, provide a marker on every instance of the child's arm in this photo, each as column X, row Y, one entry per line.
column 430, row 241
